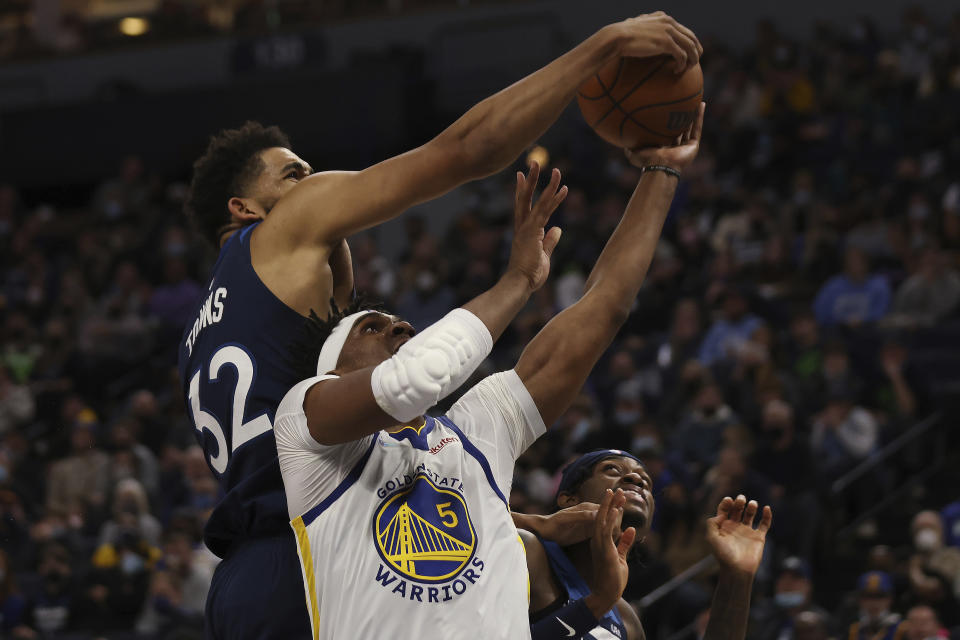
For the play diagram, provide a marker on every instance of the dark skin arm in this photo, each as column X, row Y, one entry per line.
column 609, row 548
column 558, row 360
column 304, row 226
column 344, row 409
column 486, row 139
column 739, row 548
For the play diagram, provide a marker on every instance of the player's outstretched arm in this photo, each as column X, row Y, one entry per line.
column 557, row 361
column 739, row 548
column 328, row 206
column 346, row 408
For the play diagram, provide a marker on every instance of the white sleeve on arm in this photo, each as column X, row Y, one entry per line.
column 501, row 419
column 311, row 471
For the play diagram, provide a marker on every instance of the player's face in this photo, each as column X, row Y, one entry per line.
column 629, row 475
column 282, row 171
column 373, row 338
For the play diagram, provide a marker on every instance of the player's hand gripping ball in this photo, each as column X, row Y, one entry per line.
column 641, row 102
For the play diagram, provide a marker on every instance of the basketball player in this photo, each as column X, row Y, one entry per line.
column 274, row 268
column 401, row 519
column 575, row 591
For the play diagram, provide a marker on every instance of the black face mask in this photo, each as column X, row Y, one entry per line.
column 56, row 580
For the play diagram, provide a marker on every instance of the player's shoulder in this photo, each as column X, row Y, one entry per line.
column 291, row 405
column 533, row 546
column 631, row 621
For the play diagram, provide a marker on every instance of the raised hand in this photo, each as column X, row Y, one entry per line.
column 569, row 526
column 655, row 34
column 532, row 245
column 678, row 156
column 736, row 544
column 608, row 549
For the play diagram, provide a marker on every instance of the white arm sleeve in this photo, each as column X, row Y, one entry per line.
column 311, row 471
column 431, row 365
column 501, row 419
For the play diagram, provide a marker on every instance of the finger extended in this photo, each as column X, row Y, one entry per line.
column 698, row 123
column 533, row 177
column 550, row 241
column 723, row 509
column 750, row 512
column 766, row 519
column 737, row 511
column 603, row 512
column 627, row 538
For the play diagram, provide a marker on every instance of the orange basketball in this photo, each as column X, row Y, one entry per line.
column 641, row 102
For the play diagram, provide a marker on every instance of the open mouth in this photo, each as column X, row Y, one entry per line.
column 635, row 495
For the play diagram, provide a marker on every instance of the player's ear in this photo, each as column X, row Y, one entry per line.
column 243, row 210
column 565, row 500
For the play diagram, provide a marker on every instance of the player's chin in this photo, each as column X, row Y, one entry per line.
column 634, row 516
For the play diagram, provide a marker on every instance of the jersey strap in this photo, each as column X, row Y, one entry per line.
column 570, row 579
column 470, row 448
column 348, row 482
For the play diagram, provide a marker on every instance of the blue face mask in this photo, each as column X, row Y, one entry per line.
column 131, row 563
column 789, row 599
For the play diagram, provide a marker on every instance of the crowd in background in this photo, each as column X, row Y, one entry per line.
column 802, row 312
column 82, row 28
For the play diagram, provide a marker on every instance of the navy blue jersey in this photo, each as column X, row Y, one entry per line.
column 611, row 624
column 235, row 367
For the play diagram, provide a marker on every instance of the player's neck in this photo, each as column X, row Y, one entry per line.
column 416, row 424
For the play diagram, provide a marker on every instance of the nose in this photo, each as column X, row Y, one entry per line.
column 403, row 327
column 633, row 478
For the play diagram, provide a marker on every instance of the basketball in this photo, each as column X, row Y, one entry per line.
column 641, row 102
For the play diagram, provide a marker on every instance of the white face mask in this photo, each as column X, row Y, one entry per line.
column 927, row 540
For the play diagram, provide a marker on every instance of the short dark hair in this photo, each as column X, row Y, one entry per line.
column 231, row 161
column 305, row 349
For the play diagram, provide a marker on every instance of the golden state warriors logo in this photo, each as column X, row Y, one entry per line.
column 424, row 532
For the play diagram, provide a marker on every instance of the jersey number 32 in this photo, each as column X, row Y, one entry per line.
column 240, row 431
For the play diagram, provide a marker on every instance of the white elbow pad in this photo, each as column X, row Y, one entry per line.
column 431, row 365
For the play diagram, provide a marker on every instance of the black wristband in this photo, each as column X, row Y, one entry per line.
column 661, row 167
column 575, row 617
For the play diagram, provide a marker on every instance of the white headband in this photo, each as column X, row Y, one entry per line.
column 330, row 352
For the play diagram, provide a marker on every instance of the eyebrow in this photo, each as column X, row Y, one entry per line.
column 297, row 165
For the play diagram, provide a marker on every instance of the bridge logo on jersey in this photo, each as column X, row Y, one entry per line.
column 424, row 532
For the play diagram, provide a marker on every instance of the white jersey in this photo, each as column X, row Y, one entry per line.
column 408, row 534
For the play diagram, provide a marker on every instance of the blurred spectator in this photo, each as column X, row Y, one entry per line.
column 854, row 297
column 875, row 596
column 178, row 590
column 922, row 623
column 930, row 293
column 777, row 619
column 55, row 604
column 131, row 516
column 700, row 434
column 786, row 462
column 17, row 405
column 731, row 330
column 934, row 569
column 130, row 458
column 78, row 484
column 843, row 433
column 12, row 604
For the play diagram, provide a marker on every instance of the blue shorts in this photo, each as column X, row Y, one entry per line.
column 257, row 593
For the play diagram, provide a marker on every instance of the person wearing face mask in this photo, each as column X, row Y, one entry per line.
column 876, row 621
column 776, row 619
column 934, row 569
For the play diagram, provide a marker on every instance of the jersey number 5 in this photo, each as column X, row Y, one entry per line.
column 241, row 431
